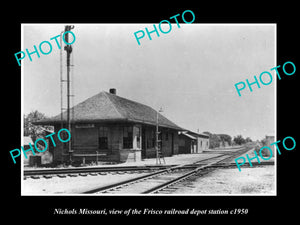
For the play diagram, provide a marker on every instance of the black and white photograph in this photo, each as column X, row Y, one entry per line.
column 139, row 113
column 107, row 111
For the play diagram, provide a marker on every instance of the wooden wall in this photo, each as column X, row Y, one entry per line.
column 185, row 144
column 203, row 144
column 169, row 138
column 85, row 141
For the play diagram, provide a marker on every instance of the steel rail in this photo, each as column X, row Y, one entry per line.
column 42, row 172
column 191, row 173
column 155, row 174
column 188, row 174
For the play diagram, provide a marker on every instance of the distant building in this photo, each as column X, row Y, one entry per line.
column 224, row 144
column 190, row 142
column 26, row 145
column 108, row 127
column 38, row 158
column 269, row 141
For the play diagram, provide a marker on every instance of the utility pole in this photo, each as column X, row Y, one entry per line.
column 68, row 49
column 61, row 93
column 156, row 138
column 158, row 142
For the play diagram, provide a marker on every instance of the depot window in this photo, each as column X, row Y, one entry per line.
column 151, row 139
column 103, row 138
column 138, row 137
column 127, row 137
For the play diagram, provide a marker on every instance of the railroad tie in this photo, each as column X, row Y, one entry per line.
column 62, row 175
column 93, row 174
column 73, row 175
column 83, row 174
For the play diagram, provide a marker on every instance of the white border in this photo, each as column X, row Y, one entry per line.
column 169, row 195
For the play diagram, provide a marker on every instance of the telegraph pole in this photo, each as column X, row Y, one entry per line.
column 157, row 141
column 156, row 138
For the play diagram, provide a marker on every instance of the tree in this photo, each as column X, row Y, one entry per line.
column 239, row 140
column 248, row 140
column 35, row 131
column 225, row 138
column 214, row 140
column 264, row 142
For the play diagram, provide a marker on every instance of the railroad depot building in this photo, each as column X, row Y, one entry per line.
column 107, row 127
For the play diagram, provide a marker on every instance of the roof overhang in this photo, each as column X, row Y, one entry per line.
column 104, row 121
column 193, row 134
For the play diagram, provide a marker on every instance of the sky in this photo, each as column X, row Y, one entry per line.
column 190, row 72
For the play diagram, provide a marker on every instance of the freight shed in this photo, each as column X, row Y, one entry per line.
column 190, row 142
column 107, row 127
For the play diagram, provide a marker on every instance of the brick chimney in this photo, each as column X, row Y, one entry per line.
column 113, row 91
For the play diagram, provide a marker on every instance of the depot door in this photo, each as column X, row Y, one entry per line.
column 144, row 141
column 172, row 144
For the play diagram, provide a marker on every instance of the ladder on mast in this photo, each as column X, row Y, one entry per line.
column 158, row 144
column 160, row 157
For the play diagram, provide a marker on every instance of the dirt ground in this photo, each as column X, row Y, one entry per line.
column 256, row 180
column 70, row 185
column 250, row 181
column 172, row 160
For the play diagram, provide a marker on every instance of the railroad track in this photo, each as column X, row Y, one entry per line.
column 156, row 182
column 84, row 171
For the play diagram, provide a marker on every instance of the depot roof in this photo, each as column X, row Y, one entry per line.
column 107, row 107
